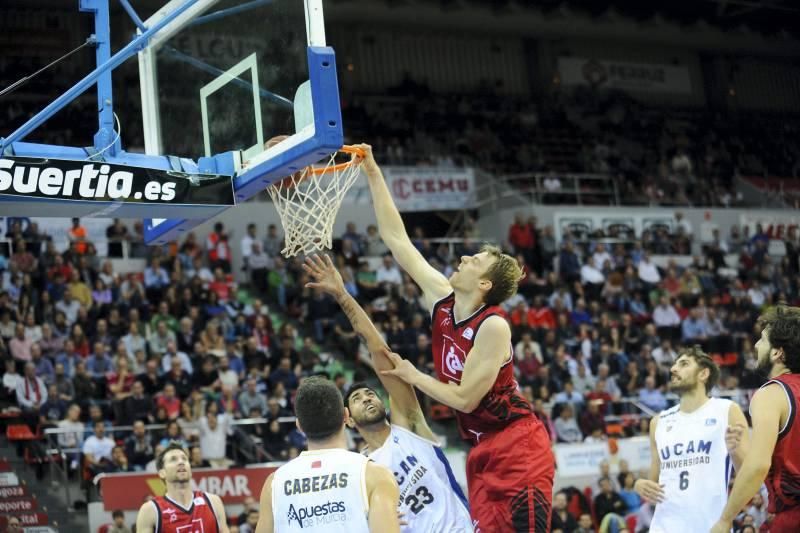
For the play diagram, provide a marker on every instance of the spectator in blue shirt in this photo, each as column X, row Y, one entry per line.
column 156, row 280
column 99, row 363
column 694, row 329
column 651, row 396
column 580, row 315
column 44, row 368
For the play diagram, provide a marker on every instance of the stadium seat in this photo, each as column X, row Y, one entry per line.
column 19, row 432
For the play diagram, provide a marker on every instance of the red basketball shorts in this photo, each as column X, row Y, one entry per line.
column 510, row 480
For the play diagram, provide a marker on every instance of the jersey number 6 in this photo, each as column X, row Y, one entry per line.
column 684, row 480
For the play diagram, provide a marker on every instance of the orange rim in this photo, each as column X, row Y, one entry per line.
column 348, row 149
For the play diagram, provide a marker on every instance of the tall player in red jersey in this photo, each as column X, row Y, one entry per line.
column 510, row 467
column 775, row 446
column 180, row 510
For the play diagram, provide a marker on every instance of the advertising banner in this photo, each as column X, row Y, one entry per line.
column 129, row 491
column 63, row 179
column 624, row 76
column 431, row 188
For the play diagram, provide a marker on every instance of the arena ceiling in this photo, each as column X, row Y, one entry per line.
column 765, row 16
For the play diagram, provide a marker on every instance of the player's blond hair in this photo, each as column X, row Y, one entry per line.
column 504, row 273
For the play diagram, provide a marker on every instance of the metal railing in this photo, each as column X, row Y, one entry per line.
column 243, row 444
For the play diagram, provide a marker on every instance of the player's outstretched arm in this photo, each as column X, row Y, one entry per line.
column 649, row 488
column 737, row 437
column 406, row 411
column 219, row 510
column 393, row 232
column 265, row 522
column 767, row 407
column 383, row 497
column 146, row 519
column 490, row 351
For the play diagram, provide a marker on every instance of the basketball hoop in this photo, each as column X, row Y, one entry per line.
column 308, row 201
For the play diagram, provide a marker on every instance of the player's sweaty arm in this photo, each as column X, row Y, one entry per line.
column 265, row 522
column 768, row 407
column 393, row 232
column 406, row 411
column 649, row 488
column 383, row 496
column 491, row 349
column 146, row 519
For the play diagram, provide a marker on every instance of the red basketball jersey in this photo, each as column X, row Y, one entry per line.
column 451, row 344
column 198, row 518
column 783, row 479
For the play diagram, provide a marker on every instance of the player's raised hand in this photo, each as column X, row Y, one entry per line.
column 733, row 436
column 403, row 369
column 649, row 490
column 325, row 275
column 369, row 166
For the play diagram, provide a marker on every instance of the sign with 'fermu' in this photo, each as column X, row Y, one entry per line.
column 624, row 75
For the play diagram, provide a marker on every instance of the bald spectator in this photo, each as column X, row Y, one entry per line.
column 31, row 395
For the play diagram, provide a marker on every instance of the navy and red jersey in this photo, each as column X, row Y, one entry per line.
column 783, row 479
column 200, row 517
column 451, row 343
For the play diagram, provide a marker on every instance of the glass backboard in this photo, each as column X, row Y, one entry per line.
column 230, row 79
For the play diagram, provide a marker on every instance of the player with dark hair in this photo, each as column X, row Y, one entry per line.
column 180, row 509
column 327, row 488
column 510, row 469
column 430, row 498
column 775, row 451
column 691, row 448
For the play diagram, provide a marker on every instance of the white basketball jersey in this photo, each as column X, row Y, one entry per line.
column 695, row 467
column 321, row 490
column 430, row 498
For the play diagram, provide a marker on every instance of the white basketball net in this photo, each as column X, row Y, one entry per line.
column 308, row 201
